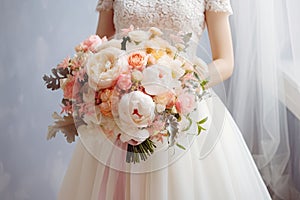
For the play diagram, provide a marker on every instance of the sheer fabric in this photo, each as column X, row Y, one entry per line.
column 266, row 43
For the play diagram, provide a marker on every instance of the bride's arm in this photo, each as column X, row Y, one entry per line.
column 221, row 46
column 105, row 24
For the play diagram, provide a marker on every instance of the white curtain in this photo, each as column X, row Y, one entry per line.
column 266, row 43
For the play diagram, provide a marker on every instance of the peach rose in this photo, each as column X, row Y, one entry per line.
column 105, row 105
column 137, row 60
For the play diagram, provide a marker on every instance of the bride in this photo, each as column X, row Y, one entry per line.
column 224, row 169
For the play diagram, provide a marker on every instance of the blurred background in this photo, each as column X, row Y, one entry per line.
column 263, row 94
column 34, row 37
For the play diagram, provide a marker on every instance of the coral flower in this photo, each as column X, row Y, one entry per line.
column 138, row 60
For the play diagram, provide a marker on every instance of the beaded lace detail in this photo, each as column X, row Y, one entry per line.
column 176, row 15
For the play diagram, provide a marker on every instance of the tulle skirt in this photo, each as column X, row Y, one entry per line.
column 227, row 171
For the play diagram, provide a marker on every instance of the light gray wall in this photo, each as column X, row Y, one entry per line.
column 34, row 36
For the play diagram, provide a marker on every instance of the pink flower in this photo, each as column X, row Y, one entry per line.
column 86, row 109
column 66, row 108
column 185, row 103
column 90, row 43
column 77, row 63
column 124, row 81
column 156, row 127
column 65, row 63
column 79, row 74
column 70, row 88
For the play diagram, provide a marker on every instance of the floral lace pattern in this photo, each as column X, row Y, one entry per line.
column 219, row 6
column 177, row 15
column 104, row 5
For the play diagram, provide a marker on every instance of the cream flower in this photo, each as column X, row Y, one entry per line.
column 158, row 79
column 137, row 75
column 111, row 43
column 155, row 31
column 139, row 35
column 136, row 112
column 102, row 68
column 174, row 65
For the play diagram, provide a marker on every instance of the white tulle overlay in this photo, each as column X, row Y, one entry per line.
column 218, row 164
column 227, row 172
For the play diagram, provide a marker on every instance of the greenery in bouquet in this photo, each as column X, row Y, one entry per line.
column 139, row 89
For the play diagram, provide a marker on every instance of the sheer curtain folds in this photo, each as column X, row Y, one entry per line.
column 266, row 43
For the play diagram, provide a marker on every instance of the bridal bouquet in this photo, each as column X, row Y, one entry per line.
column 139, row 89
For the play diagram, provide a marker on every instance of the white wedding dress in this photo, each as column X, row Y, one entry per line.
column 217, row 167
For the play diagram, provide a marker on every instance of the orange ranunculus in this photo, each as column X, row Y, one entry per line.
column 137, row 60
column 105, row 95
column 105, row 106
column 105, row 109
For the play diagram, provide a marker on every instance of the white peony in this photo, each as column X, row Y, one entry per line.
column 139, row 35
column 174, row 65
column 102, row 68
column 159, row 79
column 110, row 43
column 136, row 112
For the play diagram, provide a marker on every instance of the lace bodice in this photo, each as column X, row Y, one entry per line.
column 177, row 15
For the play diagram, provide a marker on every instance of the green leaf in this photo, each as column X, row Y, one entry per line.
column 180, row 146
column 197, row 76
column 200, row 128
column 203, row 84
column 190, row 124
column 202, row 121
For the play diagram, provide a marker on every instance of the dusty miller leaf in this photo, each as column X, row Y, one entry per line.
column 64, row 125
column 53, row 81
column 172, row 127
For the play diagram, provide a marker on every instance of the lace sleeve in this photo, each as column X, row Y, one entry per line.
column 104, row 5
column 219, row 6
